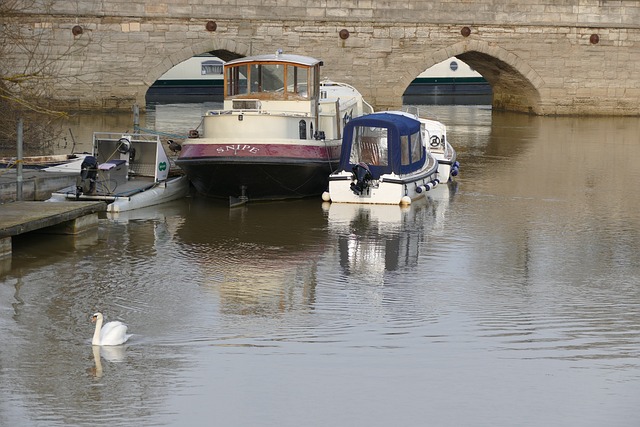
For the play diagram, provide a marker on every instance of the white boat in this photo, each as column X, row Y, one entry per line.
column 278, row 135
column 197, row 79
column 449, row 82
column 435, row 132
column 387, row 158
column 50, row 163
column 128, row 171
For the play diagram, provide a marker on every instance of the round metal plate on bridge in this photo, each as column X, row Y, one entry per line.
column 211, row 26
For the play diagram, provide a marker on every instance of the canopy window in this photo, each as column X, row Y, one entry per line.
column 369, row 146
column 411, row 148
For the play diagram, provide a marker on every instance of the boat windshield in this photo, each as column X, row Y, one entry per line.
column 270, row 80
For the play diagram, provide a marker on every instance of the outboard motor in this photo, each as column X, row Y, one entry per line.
column 363, row 177
column 86, row 182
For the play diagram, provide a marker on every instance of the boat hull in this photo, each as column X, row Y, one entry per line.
column 144, row 195
column 260, row 171
column 172, row 189
column 398, row 190
column 53, row 163
column 258, row 179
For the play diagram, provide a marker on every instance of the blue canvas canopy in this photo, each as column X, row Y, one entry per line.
column 386, row 142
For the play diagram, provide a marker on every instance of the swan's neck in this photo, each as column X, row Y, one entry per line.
column 96, row 333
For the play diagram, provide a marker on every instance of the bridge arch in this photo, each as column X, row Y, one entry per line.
column 515, row 84
column 224, row 49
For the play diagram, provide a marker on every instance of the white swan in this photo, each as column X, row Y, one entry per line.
column 112, row 333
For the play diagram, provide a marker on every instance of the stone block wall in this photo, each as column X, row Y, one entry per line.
column 541, row 56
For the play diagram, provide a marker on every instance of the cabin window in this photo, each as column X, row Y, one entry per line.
column 302, row 129
column 237, row 80
column 255, row 78
column 405, row 150
column 297, row 82
column 416, row 147
column 410, row 149
column 267, row 78
column 211, row 67
column 274, row 80
column 369, row 146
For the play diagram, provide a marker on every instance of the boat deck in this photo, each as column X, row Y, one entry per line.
column 109, row 190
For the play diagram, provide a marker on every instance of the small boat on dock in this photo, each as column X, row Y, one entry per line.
column 390, row 158
column 278, row 135
column 128, row 171
column 50, row 163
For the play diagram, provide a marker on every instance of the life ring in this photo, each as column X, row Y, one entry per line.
column 434, row 141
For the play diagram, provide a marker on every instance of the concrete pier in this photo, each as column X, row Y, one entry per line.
column 36, row 184
column 50, row 217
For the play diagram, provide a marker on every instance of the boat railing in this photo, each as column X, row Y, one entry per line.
column 135, row 137
column 256, row 112
column 419, row 112
column 326, row 82
column 448, row 150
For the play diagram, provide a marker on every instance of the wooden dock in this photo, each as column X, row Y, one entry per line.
column 52, row 217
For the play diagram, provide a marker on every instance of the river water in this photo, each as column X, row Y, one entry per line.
column 511, row 298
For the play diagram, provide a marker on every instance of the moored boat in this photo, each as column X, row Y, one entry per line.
column 450, row 82
column 278, row 135
column 386, row 159
column 197, row 79
column 48, row 163
column 435, row 132
column 128, row 171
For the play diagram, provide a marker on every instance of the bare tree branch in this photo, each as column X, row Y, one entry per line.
column 30, row 65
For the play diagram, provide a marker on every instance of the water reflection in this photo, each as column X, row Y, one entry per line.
column 111, row 354
column 259, row 259
column 375, row 239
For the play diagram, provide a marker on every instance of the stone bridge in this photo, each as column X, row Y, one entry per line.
column 549, row 57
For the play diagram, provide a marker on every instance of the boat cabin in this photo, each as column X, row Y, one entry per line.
column 250, row 81
column 280, row 97
column 386, row 142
